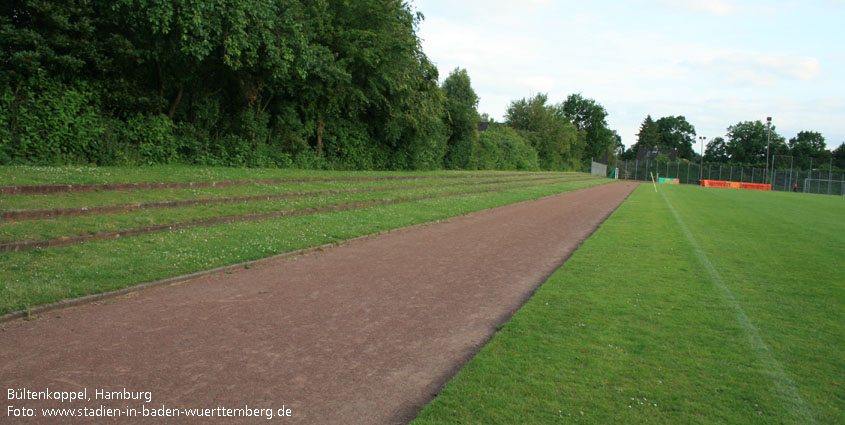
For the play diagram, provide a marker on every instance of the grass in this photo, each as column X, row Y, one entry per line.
column 24, row 175
column 45, row 275
column 70, row 226
column 740, row 320
column 105, row 198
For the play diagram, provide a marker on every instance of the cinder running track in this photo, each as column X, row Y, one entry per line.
column 365, row 333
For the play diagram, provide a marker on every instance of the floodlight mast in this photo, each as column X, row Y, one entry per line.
column 768, row 140
column 701, row 161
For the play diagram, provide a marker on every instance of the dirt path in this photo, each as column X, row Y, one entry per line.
column 362, row 333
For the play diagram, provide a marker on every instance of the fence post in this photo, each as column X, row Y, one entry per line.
column 807, row 181
column 830, row 175
column 791, row 159
column 732, row 173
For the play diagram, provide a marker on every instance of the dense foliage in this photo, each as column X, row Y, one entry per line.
column 591, row 118
column 318, row 83
column 745, row 145
column 666, row 133
column 257, row 82
column 558, row 142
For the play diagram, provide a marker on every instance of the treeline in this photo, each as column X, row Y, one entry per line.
column 744, row 144
column 317, row 83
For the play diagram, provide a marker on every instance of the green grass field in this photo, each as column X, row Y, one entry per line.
column 692, row 305
column 41, row 276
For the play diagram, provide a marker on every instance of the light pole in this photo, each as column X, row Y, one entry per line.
column 768, row 139
column 701, row 161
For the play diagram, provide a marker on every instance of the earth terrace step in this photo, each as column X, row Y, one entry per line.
column 74, row 240
column 41, row 214
column 94, row 187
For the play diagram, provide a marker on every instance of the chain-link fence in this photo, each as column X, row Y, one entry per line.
column 816, row 181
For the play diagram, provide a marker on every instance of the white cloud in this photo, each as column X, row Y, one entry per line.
column 711, row 7
column 538, row 83
column 757, row 69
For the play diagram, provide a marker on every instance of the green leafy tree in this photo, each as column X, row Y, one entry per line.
column 672, row 132
column 392, row 91
column 716, row 151
column 747, row 143
column 806, row 145
column 676, row 133
column 461, row 117
column 503, row 148
column 558, row 143
column 590, row 118
column 839, row 157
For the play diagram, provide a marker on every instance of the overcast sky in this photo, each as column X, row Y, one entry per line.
column 716, row 62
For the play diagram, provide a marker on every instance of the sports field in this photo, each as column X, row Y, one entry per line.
column 690, row 305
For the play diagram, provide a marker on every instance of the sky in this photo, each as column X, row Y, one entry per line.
column 716, row 62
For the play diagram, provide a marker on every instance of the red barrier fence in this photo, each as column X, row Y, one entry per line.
column 736, row 185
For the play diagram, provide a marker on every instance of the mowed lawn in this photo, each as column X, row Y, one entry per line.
column 690, row 306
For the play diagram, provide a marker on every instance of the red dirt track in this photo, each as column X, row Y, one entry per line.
column 365, row 333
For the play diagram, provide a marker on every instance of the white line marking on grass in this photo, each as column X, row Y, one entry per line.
column 783, row 383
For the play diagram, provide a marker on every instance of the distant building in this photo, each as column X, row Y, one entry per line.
column 652, row 154
column 483, row 125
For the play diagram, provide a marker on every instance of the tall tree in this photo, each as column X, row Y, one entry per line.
column 672, row 132
column 676, row 133
column 461, row 118
column 806, row 145
column 590, row 118
column 747, row 142
column 716, row 151
column 558, row 143
column 839, row 157
column 648, row 137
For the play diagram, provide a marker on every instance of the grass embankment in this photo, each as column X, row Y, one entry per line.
column 106, row 198
column 25, row 175
column 68, row 226
column 738, row 319
column 45, row 275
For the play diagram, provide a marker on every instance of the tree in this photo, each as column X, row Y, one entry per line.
column 461, row 117
column 747, row 143
column 716, row 151
column 676, row 133
column 558, row 143
column 672, row 132
column 590, row 118
column 806, row 145
column 839, row 157
column 648, row 136
column 503, row 148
